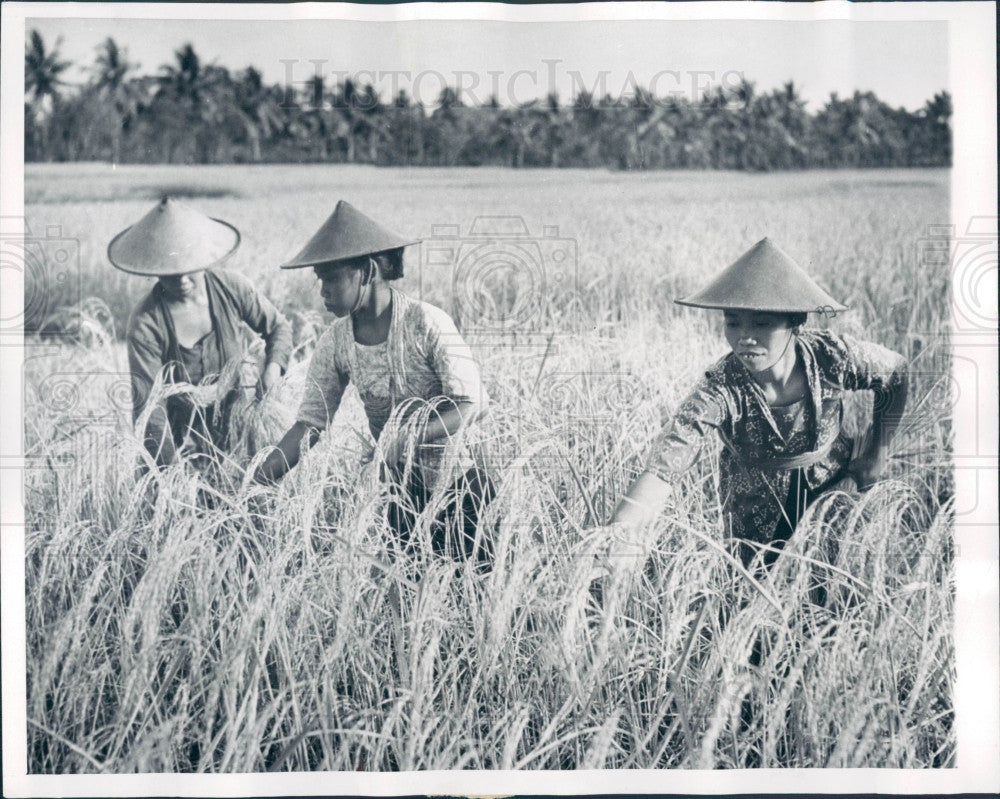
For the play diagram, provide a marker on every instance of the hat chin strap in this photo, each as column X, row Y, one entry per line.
column 362, row 294
column 791, row 338
column 791, row 335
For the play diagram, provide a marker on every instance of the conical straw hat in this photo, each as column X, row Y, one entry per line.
column 348, row 233
column 173, row 239
column 764, row 278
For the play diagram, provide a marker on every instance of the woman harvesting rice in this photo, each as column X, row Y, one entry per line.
column 776, row 403
column 193, row 322
column 397, row 351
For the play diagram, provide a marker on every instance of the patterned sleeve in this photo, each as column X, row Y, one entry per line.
column 863, row 365
column 679, row 443
column 452, row 359
column 325, row 384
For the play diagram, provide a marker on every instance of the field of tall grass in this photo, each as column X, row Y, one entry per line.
column 187, row 620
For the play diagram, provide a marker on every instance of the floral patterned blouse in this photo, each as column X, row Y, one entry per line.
column 763, row 444
column 424, row 358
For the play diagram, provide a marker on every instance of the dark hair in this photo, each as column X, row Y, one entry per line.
column 792, row 318
column 797, row 319
column 390, row 263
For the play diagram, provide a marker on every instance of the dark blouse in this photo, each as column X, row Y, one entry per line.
column 200, row 359
column 764, row 445
column 234, row 307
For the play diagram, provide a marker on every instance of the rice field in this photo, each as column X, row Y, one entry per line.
column 191, row 621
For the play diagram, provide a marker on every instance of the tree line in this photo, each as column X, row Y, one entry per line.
column 193, row 112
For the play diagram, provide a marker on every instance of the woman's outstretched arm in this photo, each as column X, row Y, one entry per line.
column 286, row 455
column 325, row 384
column 644, row 500
column 674, row 451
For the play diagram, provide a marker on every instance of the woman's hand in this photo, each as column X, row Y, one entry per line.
column 394, row 449
column 868, row 468
column 262, row 476
column 437, row 430
column 270, row 376
column 286, row 454
column 870, row 465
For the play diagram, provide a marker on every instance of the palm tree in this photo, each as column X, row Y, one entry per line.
column 648, row 131
column 42, row 85
column 314, row 121
column 556, row 127
column 446, row 129
column 790, row 113
column 256, row 109
column 42, row 71
column 111, row 66
column 934, row 131
column 584, row 139
column 177, row 98
column 115, row 89
column 374, row 123
column 404, row 127
column 182, row 81
column 361, row 120
column 725, row 132
column 508, row 133
column 859, row 131
column 193, row 101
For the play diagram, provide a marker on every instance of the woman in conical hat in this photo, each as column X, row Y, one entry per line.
column 192, row 322
column 397, row 351
column 775, row 401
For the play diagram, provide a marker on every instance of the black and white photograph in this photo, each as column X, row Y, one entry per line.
column 483, row 398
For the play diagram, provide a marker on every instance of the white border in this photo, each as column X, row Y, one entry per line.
column 972, row 53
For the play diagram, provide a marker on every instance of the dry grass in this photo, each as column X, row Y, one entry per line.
column 187, row 621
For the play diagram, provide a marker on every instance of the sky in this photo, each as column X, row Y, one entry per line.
column 904, row 63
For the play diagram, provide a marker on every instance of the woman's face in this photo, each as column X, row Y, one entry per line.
column 182, row 287
column 758, row 338
column 340, row 287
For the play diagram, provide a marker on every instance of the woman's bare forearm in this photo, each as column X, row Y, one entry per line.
column 450, row 421
column 644, row 500
column 286, row 454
